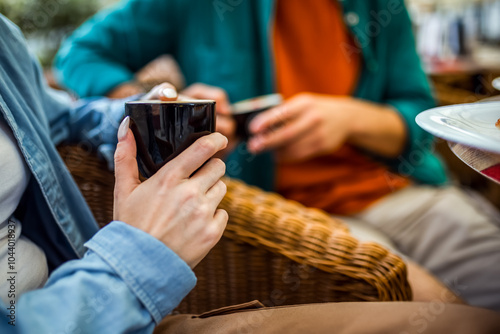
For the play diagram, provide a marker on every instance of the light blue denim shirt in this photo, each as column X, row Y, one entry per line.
column 127, row 280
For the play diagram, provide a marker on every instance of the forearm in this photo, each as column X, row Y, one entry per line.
column 128, row 281
column 377, row 128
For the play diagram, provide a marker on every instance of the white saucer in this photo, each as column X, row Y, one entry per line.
column 468, row 124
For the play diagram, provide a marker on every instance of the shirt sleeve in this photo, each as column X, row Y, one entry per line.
column 111, row 46
column 127, row 282
column 408, row 88
column 93, row 122
column 408, row 91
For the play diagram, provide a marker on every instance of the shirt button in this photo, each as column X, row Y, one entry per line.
column 352, row 18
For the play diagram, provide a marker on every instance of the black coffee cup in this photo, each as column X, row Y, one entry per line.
column 245, row 111
column 163, row 129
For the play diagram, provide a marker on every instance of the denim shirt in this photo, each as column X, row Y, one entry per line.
column 126, row 280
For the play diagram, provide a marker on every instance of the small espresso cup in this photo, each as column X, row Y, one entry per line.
column 163, row 129
column 245, row 111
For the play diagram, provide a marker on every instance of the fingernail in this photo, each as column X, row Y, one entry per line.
column 169, row 92
column 123, row 129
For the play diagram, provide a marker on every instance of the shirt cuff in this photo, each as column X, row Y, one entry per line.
column 158, row 277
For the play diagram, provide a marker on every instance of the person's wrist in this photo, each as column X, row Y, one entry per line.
column 352, row 109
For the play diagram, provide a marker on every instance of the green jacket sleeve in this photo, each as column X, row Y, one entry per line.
column 409, row 92
column 111, row 46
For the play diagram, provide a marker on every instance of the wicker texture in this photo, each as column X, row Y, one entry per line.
column 273, row 250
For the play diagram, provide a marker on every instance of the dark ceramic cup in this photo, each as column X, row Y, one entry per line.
column 163, row 129
column 245, row 111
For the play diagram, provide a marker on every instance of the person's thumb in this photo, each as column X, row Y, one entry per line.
column 126, row 171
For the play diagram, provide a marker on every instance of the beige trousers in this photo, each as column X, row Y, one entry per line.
column 453, row 234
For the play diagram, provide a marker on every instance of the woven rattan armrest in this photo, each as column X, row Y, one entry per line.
column 273, row 250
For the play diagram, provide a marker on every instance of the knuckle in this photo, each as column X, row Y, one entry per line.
column 190, row 194
column 225, row 214
column 219, row 189
column 120, row 156
column 200, row 211
column 206, row 145
column 223, row 187
column 219, row 165
column 169, row 178
column 213, row 233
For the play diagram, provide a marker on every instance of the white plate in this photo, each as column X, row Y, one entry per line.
column 469, row 124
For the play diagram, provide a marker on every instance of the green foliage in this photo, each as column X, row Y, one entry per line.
column 38, row 16
column 46, row 22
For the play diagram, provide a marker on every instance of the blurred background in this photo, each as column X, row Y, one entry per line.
column 459, row 43
column 452, row 35
column 45, row 23
column 458, row 40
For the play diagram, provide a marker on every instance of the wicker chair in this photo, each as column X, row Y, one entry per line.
column 273, row 250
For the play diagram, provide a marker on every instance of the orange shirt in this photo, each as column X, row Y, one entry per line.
column 309, row 42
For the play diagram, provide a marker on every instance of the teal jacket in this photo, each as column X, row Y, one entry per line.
column 227, row 44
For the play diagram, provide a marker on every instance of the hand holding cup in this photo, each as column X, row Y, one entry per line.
column 178, row 204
